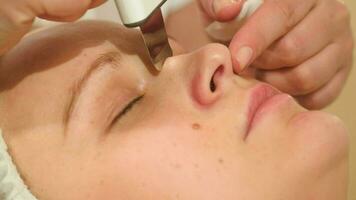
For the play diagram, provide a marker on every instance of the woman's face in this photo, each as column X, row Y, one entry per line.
column 87, row 117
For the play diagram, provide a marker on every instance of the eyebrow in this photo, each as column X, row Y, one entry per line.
column 113, row 58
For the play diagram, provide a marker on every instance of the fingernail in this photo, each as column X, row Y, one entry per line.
column 243, row 56
column 220, row 4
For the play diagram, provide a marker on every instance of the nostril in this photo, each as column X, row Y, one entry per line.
column 212, row 85
column 215, row 78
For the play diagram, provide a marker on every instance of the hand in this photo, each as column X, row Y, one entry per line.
column 303, row 48
column 16, row 17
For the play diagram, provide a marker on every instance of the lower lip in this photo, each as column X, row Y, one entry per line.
column 270, row 105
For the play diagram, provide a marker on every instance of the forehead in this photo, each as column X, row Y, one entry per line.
column 50, row 47
column 66, row 41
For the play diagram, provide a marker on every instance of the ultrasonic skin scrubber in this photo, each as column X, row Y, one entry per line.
column 147, row 15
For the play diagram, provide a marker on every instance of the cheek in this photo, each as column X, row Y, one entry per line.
column 167, row 161
column 149, row 164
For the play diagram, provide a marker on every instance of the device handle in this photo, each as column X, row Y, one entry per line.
column 133, row 13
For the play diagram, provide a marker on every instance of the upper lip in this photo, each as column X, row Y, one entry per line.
column 258, row 96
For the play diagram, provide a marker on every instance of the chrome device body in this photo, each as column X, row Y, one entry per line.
column 147, row 15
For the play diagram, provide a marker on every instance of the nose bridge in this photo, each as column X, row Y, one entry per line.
column 207, row 58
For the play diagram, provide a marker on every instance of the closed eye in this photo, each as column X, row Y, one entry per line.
column 128, row 108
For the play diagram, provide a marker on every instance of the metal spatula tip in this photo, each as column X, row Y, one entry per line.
column 156, row 39
column 148, row 16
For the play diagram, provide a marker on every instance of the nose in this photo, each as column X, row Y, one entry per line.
column 210, row 70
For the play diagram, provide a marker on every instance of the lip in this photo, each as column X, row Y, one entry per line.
column 259, row 98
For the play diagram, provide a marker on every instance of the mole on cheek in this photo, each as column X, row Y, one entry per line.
column 221, row 160
column 196, row 126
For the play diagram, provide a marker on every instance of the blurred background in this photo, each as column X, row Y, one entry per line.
column 344, row 106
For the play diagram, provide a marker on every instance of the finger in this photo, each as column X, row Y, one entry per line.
column 94, row 4
column 327, row 94
column 324, row 23
column 65, row 10
column 221, row 10
column 271, row 21
column 16, row 17
column 309, row 76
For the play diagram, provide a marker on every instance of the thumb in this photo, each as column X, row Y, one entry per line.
column 221, row 10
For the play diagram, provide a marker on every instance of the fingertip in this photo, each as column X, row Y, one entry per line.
column 243, row 57
column 235, row 63
column 236, row 66
column 228, row 11
column 63, row 18
column 221, row 10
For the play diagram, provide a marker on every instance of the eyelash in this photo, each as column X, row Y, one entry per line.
column 129, row 107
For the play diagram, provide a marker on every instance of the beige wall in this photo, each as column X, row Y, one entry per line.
column 345, row 108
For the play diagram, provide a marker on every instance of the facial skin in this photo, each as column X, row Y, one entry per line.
column 187, row 137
